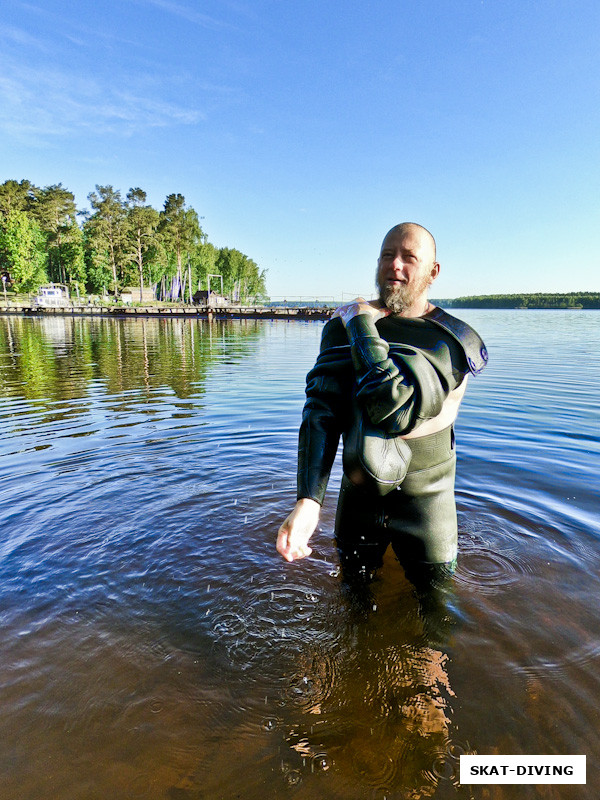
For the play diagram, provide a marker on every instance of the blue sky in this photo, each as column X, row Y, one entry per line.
column 301, row 130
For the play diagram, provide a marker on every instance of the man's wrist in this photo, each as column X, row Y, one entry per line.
column 309, row 502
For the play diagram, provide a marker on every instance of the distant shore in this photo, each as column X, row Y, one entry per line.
column 576, row 300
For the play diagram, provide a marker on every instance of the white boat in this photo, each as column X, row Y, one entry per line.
column 53, row 295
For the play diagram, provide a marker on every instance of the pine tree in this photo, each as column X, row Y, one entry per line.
column 54, row 209
column 16, row 196
column 181, row 233
column 106, row 233
column 142, row 238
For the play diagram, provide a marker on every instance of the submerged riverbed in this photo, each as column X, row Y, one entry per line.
column 155, row 646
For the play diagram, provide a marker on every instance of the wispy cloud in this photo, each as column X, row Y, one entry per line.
column 37, row 106
column 65, row 27
column 19, row 37
column 189, row 14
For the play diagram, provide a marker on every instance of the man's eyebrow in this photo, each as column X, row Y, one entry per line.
column 407, row 251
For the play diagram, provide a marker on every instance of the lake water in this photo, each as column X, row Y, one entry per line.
column 155, row 646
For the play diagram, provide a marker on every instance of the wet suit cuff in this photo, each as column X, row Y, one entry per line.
column 367, row 347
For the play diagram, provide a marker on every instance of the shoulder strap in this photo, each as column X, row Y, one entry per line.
column 470, row 341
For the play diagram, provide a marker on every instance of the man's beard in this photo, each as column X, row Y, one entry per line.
column 399, row 297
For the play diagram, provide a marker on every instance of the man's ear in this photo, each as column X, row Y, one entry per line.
column 435, row 271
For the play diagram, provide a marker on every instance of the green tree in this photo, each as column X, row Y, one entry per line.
column 16, row 196
column 73, row 255
column 241, row 276
column 106, row 235
column 98, row 275
column 54, row 209
column 181, row 234
column 21, row 250
column 203, row 264
column 142, row 238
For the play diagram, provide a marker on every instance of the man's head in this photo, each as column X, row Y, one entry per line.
column 406, row 267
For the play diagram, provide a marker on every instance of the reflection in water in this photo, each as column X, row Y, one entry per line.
column 379, row 701
column 155, row 646
column 57, row 358
column 358, row 709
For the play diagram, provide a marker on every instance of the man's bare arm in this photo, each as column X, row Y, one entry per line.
column 297, row 529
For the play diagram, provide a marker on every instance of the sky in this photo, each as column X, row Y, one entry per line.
column 302, row 130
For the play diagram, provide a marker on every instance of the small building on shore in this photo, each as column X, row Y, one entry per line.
column 210, row 299
column 135, row 294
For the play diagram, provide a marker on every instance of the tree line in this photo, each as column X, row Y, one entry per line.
column 536, row 300
column 118, row 242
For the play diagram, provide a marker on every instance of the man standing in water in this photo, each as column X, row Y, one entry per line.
column 390, row 377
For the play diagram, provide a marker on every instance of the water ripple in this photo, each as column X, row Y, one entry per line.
column 580, row 656
column 314, row 684
column 373, row 764
column 486, row 572
column 274, row 618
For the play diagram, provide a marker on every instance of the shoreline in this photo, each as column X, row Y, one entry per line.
column 225, row 312
column 197, row 312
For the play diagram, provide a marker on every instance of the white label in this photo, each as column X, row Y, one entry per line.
column 522, row 769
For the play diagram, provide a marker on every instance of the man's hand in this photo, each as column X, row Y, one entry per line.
column 359, row 306
column 293, row 536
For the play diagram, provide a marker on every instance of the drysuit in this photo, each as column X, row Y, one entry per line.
column 395, row 374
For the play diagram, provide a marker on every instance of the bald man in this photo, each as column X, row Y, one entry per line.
column 389, row 378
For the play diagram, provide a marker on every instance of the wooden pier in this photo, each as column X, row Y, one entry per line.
column 194, row 312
